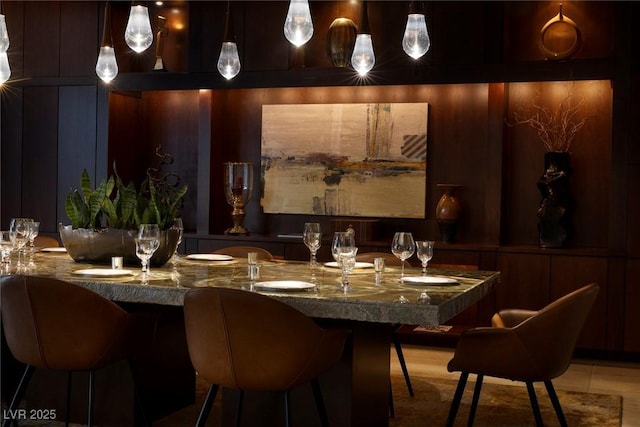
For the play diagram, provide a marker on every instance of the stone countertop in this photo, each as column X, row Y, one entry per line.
column 369, row 299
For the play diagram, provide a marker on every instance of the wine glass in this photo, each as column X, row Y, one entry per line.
column 6, row 246
column 35, row 230
column 312, row 238
column 424, row 251
column 20, row 229
column 147, row 243
column 403, row 247
column 343, row 250
column 178, row 225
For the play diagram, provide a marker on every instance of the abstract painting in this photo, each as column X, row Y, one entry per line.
column 363, row 160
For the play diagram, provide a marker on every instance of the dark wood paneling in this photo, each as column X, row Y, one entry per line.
column 633, row 211
column 78, row 107
column 11, row 155
column 632, row 302
column 39, row 155
column 80, row 53
column 524, row 281
column 569, row 273
column 615, row 318
column 42, row 38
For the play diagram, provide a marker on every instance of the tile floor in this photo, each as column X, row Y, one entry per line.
column 591, row 376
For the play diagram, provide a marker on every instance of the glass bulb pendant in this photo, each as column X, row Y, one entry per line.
column 298, row 27
column 4, row 34
column 138, row 34
column 416, row 38
column 5, row 71
column 229, row 61
column 363, row 59
column 107, row 67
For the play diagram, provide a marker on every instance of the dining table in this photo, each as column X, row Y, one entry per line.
column 372, row 306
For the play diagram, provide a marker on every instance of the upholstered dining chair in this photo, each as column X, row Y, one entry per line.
column 56, row 325
column 45, row 242
column 242, row 251
column 229, row 348
column 523, row 345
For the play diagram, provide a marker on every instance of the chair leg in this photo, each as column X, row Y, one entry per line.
column 403, row 365
column 317, row 395
column 136, row 395
column 474, row 401
column 91, row 389
column 457, row 397
column 534, row 404
column 19, row 394
column 68, row 403
column 556, row 403
column 286, row 409
column 239, row 408
column 206, row 405
column 392, row 411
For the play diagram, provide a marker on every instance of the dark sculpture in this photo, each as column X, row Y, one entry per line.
column 554, row 224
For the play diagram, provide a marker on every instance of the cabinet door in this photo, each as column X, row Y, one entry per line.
column 569, row 273
column 524, row 281
column 632, row 314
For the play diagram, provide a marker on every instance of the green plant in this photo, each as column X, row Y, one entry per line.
column 116, row 205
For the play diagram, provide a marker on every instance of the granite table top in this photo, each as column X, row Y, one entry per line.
column 371, row 297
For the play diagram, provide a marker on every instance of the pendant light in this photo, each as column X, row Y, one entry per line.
column 229, row 61
column 363, row 58
column 416, row 38
column 107, row 67
column 298, row 27
column 5, row 70
column 138, row 34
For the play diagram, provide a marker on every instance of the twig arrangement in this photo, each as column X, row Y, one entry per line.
column 556, row 128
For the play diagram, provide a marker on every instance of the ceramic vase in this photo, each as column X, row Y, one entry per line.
column 448, row 212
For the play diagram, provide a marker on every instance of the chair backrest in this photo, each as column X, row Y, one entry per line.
column 550, row 335
column 242, row 251
column 54, row 324
column 247, row 341
column 45, row 242
column 389, row 259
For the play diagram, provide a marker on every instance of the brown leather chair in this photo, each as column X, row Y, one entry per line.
column 523, row 345
column 389, row 259
column 45, row 242
column 230, row 348
column 52, row 324
column 242, row 251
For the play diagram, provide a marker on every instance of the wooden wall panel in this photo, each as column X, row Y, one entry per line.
column 632, row 302
column 39, row 155
column 79, row 53
column 569, row 273
column 633, row 211
column 42, row 38
column 524, row 281
column 11, row 150
column 77, row 106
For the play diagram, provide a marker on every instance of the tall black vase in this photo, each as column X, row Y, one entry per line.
column 554, row 226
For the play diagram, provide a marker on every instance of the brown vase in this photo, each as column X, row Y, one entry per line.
column 448, row 212
column 341, row 38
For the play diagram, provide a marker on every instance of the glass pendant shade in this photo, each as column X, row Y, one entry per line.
column 4, row 34
column 229, row 61
column 363, row 59
column 5, row 71
column 298, row 27
column 138, row 34
column 416, row 38
column 107, row 67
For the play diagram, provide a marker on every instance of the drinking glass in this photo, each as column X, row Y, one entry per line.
column 20, row 229
column 343, row 250
column 347, row 263
column 312, row 238
column 180, row 227
column 147, row 243
column 35, row 230
column 6, row 246
column 403, row 247
column 424, row 251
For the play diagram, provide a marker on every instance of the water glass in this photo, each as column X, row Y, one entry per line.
column 312, row 238
column 20, row 229
column 147, row 243
column 424, row 251
column 6, row 246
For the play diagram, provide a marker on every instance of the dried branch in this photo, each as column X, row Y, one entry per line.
column 556, row 128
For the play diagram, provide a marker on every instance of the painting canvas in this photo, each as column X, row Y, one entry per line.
column 364, row 160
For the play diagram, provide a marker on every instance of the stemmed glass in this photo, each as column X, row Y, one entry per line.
column 178, row 225
column 424, row 251
column 343, row 250
column 403, row 247
column 35, row 230
column 312, row 238
column 6, row 246
column 147, row 242
column 20, row 229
